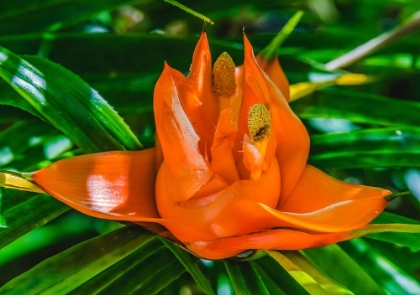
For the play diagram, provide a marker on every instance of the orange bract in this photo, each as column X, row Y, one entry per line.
column 229, row 169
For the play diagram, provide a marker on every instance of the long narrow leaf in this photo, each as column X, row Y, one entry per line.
column 341, row 267
column 353, row 106
column 387, row 274
column 59, row 274
column 112, row 274
column 191, row 266
column 28, row 215
column 368, row 148
column 235, row 275
column 303, row 278
column 36, row 16
column 77, row 110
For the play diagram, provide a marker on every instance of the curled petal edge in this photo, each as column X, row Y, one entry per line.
column 286, row 239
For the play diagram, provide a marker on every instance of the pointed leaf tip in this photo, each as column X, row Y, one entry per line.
column 396, row 195
column 270, row 51
column 190, row 11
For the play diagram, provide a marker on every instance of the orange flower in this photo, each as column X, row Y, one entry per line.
column 228, row 172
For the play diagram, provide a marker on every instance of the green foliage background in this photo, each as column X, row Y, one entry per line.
column 368, row 134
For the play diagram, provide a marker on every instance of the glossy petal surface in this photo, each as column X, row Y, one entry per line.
column 178, row 139
column 317, row 191
column 114, row 183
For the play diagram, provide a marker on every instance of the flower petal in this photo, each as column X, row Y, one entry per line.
column 292, row 137
column 201, row 78
column 274, row 71
column 213, row 199
column 120, row 183
column 223, row 163
column 317, row 191
column 195, row 111
column 178, row 139
column 279, row 239
column 286, row 239
column 112, row 185
column 247, row 216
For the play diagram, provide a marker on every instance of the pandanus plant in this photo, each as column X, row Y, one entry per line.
column 228, row 172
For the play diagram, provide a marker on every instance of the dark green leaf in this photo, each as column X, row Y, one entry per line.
column 236, row 277
column 50, row 15
column 367, row 148
column 384, row 272
column 404, row 239
column 190, row 264
column 60, row 274
column 359, row 108
column 245, row 279
column 112, row 274
column 153, row 273
column 273, row 286
column 77, row 110
column 28, row 215
column 279, row 275
column 341, row 267
column 20, row 137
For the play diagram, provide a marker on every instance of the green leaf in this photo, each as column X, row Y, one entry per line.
column 280, row 276
column 273, row 286
column 235, row 275
column 270, row 51
column 190, row 11
column 369, row 148
column 65, row 271
column 403, row 239
column 20, row 137
column 353, row 107
column 302, row 277
column 155, row 272
column 384, row 272
column 50, row 15
column 25, row 216
column 77, row 110
column 329, row 285
column 10, row 114
column 245, row 279
column 110, row 277
column 190, row 264
column 343, row 269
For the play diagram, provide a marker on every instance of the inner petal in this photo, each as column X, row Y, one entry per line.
column 223, row 163
column 178, row 139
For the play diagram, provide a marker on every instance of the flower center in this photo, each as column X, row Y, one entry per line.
column 259, row 123
column 259, row 126
column 224, row 83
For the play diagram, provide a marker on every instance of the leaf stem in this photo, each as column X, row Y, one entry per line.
column 190, row 11
column 375, row 44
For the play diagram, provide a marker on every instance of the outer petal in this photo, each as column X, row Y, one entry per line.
column 112, row 185
column 178, row 139
column 317, row 191
column 286, row 239
column 280, row 239
column 201, row 78
column 274, row 71
column 247, row 216
column 120, row 183
column 292, row 137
